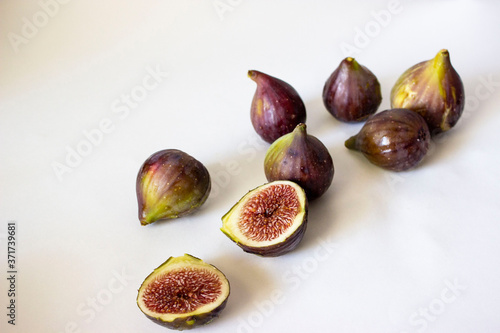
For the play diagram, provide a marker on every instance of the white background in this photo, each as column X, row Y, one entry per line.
column 384, row 252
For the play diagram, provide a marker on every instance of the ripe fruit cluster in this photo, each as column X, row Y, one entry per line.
column 271, row 219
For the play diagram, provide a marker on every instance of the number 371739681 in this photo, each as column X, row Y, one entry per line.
column 11, row 245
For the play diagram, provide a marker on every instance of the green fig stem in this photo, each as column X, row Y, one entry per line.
column 301, row 129
column 351, row 143
column 352, row 63
column 440, row 66
column 252, row 74
column 441, row 62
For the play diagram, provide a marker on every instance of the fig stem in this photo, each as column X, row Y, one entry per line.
column 351, row 143
column 352, row 62
column 301, row 128
column 441, row 62
column 252, row 74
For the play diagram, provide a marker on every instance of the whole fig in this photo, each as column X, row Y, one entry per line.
column 170, row 184
column 276, row 107
column 396, row 139
column 434, row 90
column 352, row 92
column 301, row 158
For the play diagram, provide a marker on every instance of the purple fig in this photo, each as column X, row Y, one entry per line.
column 276, row 107
column 170, row 184
column 434, row 90
column 301, row 158
column 352, row 92
column 396, row 139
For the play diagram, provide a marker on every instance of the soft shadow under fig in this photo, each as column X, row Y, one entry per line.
column 249, row 282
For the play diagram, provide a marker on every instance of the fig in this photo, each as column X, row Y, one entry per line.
column 170, row 184
column 183, row 293
column 395, row 139
column 276, row 107
column 352, row 92
column 269, row 220
column 434, row 90
column 301, row 158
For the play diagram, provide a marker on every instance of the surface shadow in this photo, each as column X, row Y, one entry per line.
column 319, row 121
column 236, row 173
column 250, row 283
column 477, row 112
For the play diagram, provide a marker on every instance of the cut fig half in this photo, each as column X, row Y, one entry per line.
column 269, row 220
column 183, row 293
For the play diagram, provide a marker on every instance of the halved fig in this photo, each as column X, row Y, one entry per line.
column 269, row 220
column 183, row 293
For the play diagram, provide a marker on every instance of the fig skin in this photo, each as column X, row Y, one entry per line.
column 395, row 139
column 192, row 319
column 432, row 89
column 231, row 227
column 171, row 184
column 352, row 92
column 301, row 158
column 276, row 107
column 191, row 322
column 279, row 249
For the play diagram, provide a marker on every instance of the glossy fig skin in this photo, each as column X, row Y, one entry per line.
column 276, row 107
column 395, row 139
column 352, row 92
column 301, row 158
column 434, row 90
column 170, row 184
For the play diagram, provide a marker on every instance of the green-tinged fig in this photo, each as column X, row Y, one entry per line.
column 352, row 92
column 301, row 158
column 276, row 107
column 170, row 184
column 395, row 139
column 434, row 90
column 183, row 293
column 269, row 220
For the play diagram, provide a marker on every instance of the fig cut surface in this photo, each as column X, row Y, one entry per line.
column 269, row 220
column 183, row 293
